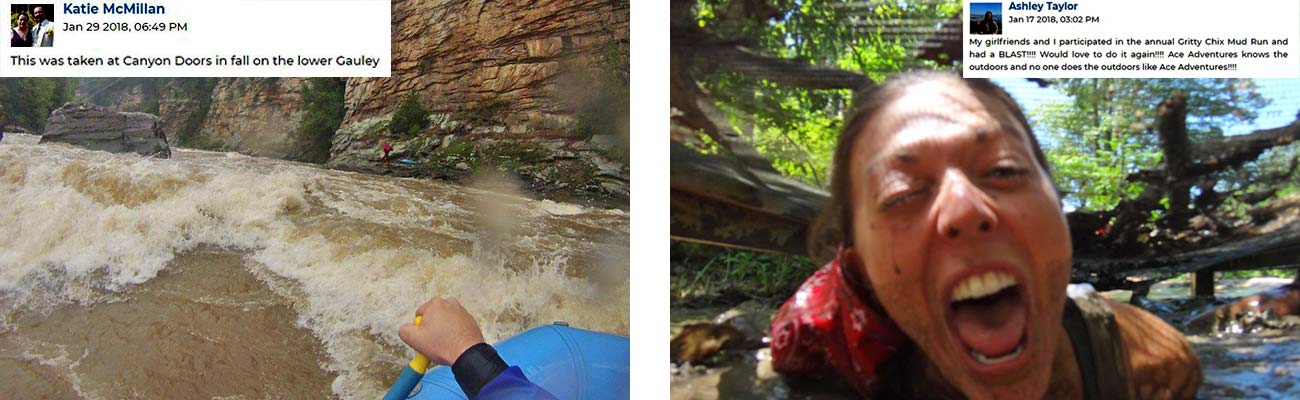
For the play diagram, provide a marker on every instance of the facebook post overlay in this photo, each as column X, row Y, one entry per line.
column 1131, row 39
column 199, row 38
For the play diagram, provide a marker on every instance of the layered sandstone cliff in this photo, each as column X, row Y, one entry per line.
column 257, row 116
column 525, row 84
column 493, row 74
column 459, row 54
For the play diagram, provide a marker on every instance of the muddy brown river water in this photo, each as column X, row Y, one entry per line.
column 218, row 275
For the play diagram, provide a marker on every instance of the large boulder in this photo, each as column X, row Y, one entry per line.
column 98, row 128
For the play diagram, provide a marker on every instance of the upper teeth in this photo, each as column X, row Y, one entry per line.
column 977, row 286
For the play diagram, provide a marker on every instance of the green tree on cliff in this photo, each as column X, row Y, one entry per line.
column 322, row 112
column 410, row 118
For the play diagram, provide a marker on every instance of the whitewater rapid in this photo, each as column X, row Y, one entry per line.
column 352, row 255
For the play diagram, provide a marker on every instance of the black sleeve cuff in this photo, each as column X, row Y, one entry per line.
column 477, row 366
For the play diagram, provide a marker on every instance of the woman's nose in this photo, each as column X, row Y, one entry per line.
column 963, row 209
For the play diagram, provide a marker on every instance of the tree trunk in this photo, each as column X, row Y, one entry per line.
column 1172, row 129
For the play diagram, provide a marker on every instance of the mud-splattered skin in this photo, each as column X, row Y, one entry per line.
column 1161, row 363
column 946, row 185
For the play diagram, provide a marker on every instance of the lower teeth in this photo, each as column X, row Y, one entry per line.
column 987, row 360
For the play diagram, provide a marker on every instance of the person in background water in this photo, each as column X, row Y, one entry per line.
column 43, row 30
column 450, row 336
column 22, row 32
column 952, row 265
column 387, row 148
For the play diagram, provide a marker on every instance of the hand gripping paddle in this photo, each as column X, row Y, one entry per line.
column 411, row 375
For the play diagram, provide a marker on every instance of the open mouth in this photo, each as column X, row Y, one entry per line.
column 989, row 317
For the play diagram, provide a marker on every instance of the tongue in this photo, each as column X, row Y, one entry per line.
column 991, row 326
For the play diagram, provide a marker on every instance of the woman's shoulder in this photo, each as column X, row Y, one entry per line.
column 825, row 329
column 1162, row 363
column 814, row 304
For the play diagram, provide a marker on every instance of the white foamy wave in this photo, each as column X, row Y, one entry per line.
column 124, row 217
column 560, row 208
column 359, row 252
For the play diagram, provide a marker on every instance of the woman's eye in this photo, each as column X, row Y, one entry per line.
column 903, row 198
column 1008, row 172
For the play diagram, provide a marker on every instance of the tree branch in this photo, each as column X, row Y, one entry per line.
column 1224, row 153
column 783, row 71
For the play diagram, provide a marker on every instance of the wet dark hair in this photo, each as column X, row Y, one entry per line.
column 834, row 227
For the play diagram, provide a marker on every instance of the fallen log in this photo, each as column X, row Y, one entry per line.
column 717, row 201
column 1277, row 249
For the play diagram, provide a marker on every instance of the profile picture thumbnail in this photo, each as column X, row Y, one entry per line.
column 31, row 25
column 986, row 18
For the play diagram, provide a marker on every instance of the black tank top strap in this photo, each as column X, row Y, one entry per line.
column 1103, row 365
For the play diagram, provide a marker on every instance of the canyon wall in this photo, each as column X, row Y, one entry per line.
column 496, row 75
column 535, row 87
column 256, row 116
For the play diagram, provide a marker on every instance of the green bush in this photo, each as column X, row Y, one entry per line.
column 703, row 275
column 513, row 156
column 602, row 105
column 28, row 101
column 483, row 113
column 410, row 118
column 322, row 112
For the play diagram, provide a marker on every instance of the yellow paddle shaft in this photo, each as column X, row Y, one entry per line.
column 420, row 363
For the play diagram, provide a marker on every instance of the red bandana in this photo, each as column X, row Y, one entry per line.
column 826, row 327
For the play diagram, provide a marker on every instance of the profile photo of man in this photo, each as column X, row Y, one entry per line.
column 33, row 25
column 986, row 18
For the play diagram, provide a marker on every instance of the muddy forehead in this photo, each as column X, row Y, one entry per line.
column 936, row 109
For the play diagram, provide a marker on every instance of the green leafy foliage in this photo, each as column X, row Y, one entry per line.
column 1258, row 273
column 707, row 274
column 602, row 101
column 483, row 113
column 1107, row 129
column 511, row 155
column 1276, row 171
column 27, row 102
column 322, row 112
column 410, row 118
column 801, row 141
column 797, row 128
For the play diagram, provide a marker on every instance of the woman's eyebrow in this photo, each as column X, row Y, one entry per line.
column 908, row 154
column 905, row 156
column 982, row 136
